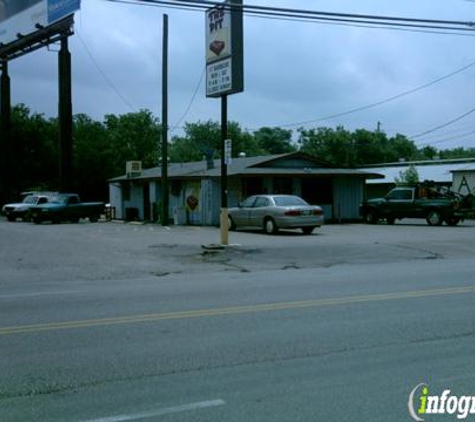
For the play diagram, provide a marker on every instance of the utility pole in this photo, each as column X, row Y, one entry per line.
column 5, row 125
column 65, row 119
column 165, row 190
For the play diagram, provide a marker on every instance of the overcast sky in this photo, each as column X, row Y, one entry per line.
column 294, row 71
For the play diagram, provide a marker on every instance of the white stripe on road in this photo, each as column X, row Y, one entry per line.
column 161, row 412
column 34, row 294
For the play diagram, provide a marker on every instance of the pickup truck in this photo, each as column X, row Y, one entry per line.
column 67, row 207
column 23, row 209
column 418, row 202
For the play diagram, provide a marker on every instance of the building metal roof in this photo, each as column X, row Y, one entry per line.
column 439, row 171
column 279, row 165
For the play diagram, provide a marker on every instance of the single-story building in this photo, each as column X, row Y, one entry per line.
column 464, row 179
column 438, row 171
column 195, row 189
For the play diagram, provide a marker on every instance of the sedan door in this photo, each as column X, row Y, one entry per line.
column 258, row 212
column 241, row 215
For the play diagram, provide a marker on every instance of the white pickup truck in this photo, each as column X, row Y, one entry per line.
column 22, row 209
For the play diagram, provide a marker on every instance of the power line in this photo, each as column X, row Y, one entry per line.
column 318, row 16
column 177, row 125
column 464, row 135
column 457, row 119
column 108, row 80
column 378, row 103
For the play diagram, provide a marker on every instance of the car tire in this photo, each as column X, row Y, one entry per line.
column 231, row 224
column 270, row 227
column 370, row 217
column 390, row 220
column 434, row 218
column 74, row 220
column 36, row 220
column 308, row 230
column 11, row 218
column 94, row 219
column 452, row 221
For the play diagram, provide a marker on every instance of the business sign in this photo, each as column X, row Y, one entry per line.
column 224, row 49
column 26, row 16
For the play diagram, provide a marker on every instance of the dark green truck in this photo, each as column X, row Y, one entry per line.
column 67, row 207
column 422, row 201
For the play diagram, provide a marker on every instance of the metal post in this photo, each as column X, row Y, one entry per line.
column 224, row 172
column 5, row 125
column 65, row 110
column 165, row 190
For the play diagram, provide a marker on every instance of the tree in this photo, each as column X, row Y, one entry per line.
column 206, row 136
column 133, row 136
column 332, row 145
column 274, row 140
column 407, row 177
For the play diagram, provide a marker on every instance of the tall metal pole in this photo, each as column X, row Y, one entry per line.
column 5, row 142
column 224, row 172
column 165, row 190
column 65, row 111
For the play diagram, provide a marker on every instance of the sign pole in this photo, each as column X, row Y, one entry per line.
column 224, row 172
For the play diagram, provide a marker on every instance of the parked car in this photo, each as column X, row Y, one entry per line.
column 23, row 209
column 274, row 212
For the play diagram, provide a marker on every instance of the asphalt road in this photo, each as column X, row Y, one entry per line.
column 111, row 322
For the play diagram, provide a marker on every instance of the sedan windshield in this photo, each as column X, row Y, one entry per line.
column 285, row 201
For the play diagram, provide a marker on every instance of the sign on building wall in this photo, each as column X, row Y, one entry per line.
column 224, row 49
column 25, row 17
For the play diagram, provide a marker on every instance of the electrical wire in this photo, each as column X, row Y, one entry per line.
column 177, row 125
column 457, row 119
column 379, row 103
column 316, row 15
column 464, row 135
column 101, row 71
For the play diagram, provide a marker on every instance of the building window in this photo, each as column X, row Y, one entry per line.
column 252, row 186
column 283, row 186
column 318, row 191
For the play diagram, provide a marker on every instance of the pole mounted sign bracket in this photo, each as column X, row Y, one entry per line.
column 224, row 49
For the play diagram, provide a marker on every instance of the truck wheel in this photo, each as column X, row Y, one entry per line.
column 452, row 221
column 434, row 218
column 370, row 217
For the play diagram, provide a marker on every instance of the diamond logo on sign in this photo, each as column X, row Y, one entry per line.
column 218, row 33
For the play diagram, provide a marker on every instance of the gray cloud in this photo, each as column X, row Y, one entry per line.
column 294, row 71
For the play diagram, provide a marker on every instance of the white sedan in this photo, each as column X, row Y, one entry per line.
column 274, row 212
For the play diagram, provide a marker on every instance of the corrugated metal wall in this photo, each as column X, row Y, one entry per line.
column 348, row 194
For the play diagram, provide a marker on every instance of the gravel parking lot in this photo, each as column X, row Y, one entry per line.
column 108, row 250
